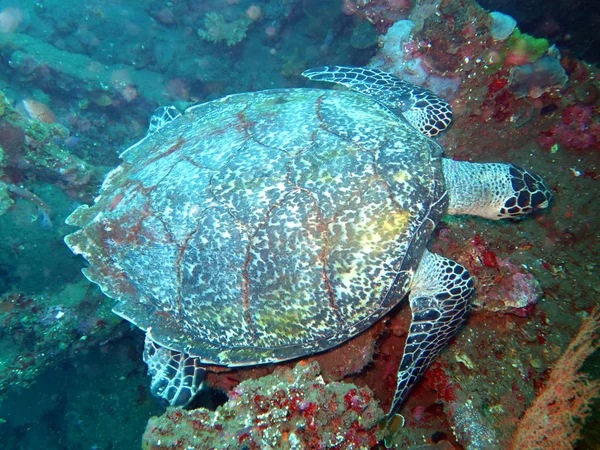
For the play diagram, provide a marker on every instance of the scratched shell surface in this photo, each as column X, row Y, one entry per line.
column 264, row 226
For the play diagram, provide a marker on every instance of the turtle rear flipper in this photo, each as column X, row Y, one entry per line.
column 439, row 302
column 162, row 116
column 424, row 110
column 176, row 377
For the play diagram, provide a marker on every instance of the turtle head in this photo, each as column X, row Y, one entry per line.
column 529, row 194
column 493, row 190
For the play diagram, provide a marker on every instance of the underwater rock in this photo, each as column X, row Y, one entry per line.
column 289, row 409
column 11, row 18
column 534, row 79
column 39, row 331
column 579, row 129
column 513, row 290
column 363, row 35
column 472, row 430
column 34, row 61
column 5, row 200
column 12, row 141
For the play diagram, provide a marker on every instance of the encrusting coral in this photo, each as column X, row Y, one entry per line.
column 218, row 29
column 292, row 409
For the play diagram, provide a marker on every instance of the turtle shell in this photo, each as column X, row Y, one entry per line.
column 264, row 226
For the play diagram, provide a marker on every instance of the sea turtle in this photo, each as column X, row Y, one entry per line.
column 266, row 226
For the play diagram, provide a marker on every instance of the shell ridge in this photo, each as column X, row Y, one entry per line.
column 245, row 270
column 324, row 254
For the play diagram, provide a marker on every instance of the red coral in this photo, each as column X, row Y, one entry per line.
column 489, row 259
column 273, row 411
column 580, row 129
column 437, row 379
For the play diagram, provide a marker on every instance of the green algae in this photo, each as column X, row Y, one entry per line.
column 526, row 44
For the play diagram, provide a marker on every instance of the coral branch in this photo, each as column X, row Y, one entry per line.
column 556, row 416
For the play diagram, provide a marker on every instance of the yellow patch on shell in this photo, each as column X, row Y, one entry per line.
column 374, row 237
column 402, row 176
column 378, row 232
column 287, row 324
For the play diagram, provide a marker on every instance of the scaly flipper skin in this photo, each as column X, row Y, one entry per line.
column 419, row 106
column 176, row 377
column 162, row 116
column 439, row 301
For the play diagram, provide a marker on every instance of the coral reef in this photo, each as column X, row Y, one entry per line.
column 38, row 331
column 502, row 26
column 32, row 145
column 522, row 48
column 381, row 13
column 293, row 409
column 475, row 52
column 521, row 110
column 534, row 79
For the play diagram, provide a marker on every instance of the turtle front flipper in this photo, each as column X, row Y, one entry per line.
column 423, row 109
column 176, row 377
column 440, row 296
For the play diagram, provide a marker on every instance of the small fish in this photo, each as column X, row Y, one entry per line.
column 45, row 212
column 45, row 220
column 10, row 19
column 71, row 141
column 35, row 110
